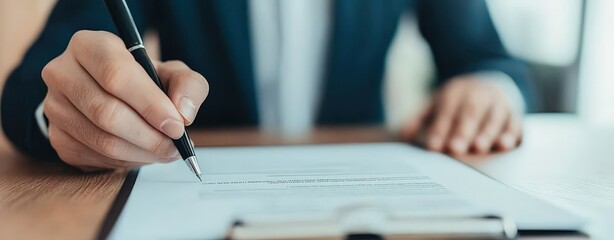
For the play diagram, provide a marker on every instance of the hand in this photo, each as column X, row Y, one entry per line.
column 467, row 115
column 105, row 112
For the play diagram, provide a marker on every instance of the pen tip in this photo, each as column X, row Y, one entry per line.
column 200, row 177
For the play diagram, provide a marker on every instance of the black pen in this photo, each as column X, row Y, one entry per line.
column 130, row 35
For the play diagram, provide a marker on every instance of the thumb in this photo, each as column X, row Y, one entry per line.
column 187, row 89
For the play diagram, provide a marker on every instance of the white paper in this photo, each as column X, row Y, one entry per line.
column 315, row 182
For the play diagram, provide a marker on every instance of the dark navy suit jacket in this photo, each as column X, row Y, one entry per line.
column 212, row 37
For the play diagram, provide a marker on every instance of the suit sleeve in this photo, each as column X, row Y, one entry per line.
column 24, row 90
column 463, row 39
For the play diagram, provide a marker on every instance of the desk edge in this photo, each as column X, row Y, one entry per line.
column 117, row 205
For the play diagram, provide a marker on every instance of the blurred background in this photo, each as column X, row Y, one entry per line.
column 569, row 45
column 565, row 42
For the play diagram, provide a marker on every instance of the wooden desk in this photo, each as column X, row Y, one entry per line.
column 52, row 201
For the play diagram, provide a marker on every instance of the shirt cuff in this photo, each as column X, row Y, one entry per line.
column 41, row 121
column 507, row 84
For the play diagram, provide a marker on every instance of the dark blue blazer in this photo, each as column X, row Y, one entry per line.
column 212, row 37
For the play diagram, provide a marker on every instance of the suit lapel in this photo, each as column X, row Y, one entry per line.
column 342, row 43
column 233, row 18
column 361, row 34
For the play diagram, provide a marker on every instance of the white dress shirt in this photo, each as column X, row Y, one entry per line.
column 289, row 48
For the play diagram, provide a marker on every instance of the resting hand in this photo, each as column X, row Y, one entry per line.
column 467, row 115
column 106, row 113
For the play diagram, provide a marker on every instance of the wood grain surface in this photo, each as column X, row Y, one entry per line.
column 52, row 201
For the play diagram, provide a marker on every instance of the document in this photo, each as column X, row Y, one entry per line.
column 318, row 182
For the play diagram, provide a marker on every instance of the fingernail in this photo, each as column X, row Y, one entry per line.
column 459, row 145
column 187, row 108
column 172, row 128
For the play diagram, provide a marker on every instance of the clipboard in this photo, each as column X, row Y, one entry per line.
column 243, row 224
column 355, row 224
column 129, row 227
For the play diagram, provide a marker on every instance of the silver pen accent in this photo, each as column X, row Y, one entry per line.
column 192, row 163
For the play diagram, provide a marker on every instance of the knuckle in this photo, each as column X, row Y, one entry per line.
column 83, row 41
column 50, row 71
column 110, row 146
column 105, row 114
column 80, row 37
column 114, row 78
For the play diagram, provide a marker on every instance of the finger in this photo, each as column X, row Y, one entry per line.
column 79, row 155
column 68, row 119
column 446, row 107
column 107, row 113
column 471, row 116
column 512, row 134
column 411, row 129
column 105, row 58
column 492, row 127
column 187, row 89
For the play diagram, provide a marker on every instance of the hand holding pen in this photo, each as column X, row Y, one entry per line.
column 105, row 112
